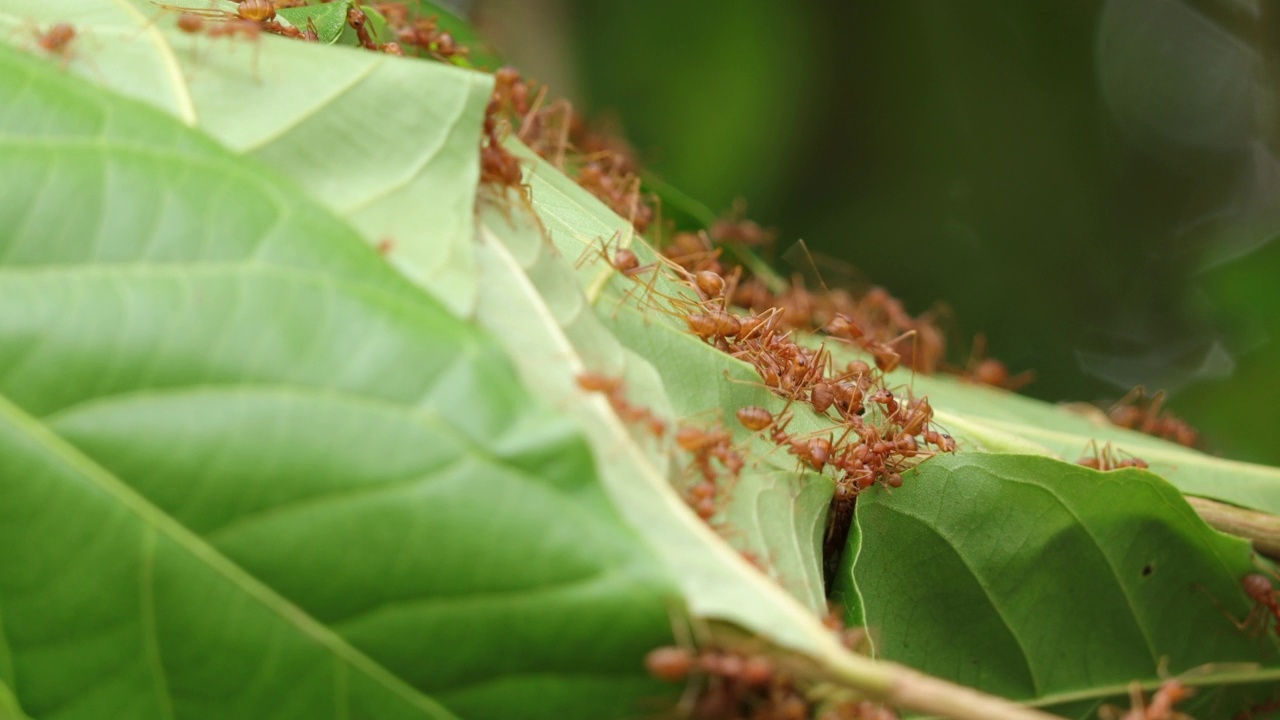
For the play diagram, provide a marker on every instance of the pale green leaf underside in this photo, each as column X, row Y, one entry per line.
column 252, row 472
column 772, row 511
column 1067, row 434
column 556, row 338
column 389, row 144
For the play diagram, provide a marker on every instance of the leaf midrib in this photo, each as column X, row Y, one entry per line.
column 161, row 523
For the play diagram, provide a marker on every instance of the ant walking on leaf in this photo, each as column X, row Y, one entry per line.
column 58, row 40
column 1266, row 604
column 1107, row 458
column 724, row 683
column 1265, row 613
column 1170, row 693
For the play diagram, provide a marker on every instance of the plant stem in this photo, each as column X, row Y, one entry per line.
column 908, row 689
column 1260, row 529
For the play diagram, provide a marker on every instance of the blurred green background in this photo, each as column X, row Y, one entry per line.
column 1092, row 184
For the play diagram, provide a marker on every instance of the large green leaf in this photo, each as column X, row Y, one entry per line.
column 387, row 143
column 1037, row 579
column 353, row 128
column 250, row 471
column 772, row 614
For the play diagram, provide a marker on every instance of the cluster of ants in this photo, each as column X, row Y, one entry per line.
column 738, row 686
column 873, row 434
column 606, row 166
column 1108, row 458
column 421, row 36
column 249, row 21
column 712, row 449
column 599, row 162
column 875, row 320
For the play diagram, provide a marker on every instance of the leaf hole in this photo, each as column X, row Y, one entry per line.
column 1147, row 570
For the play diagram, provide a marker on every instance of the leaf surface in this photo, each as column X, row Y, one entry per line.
column 1037, row 579
column 991, row 420
column 251, row 471
column 389, row 144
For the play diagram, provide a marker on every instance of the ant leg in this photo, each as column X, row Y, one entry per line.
column 1250, row 619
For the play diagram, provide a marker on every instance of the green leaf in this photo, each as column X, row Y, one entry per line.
column 1037, row 579
column 252, row 472
column 988, row 415
column 786, row 537
column 329, row 20
column 297, row 334
column 9, row 708
column 397, row 164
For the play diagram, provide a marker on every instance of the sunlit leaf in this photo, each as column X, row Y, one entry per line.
column 328, row 20
column 250, row 471
column 387, row 143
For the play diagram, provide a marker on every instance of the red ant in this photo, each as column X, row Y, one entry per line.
column 1105, row 459
column 498, row 167
column 1266, row 600
column 57, row 39
column 1170, row 693
column 1135, row 412
column 623, row 260
column 613, row 389
column 989, row 371
column 708, row 444
column 1266, row 605
column 251, row 19
column 754, row 418
column 734, row 684
column 358, row 20
column 427, row 36
column 256, row 11
column 694, row 253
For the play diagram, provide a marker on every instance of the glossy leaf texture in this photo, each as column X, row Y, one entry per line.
column 1041, row 580
column 251, row 471
column 387, row 143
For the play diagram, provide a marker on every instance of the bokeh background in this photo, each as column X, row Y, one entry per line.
column 1093, row 184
